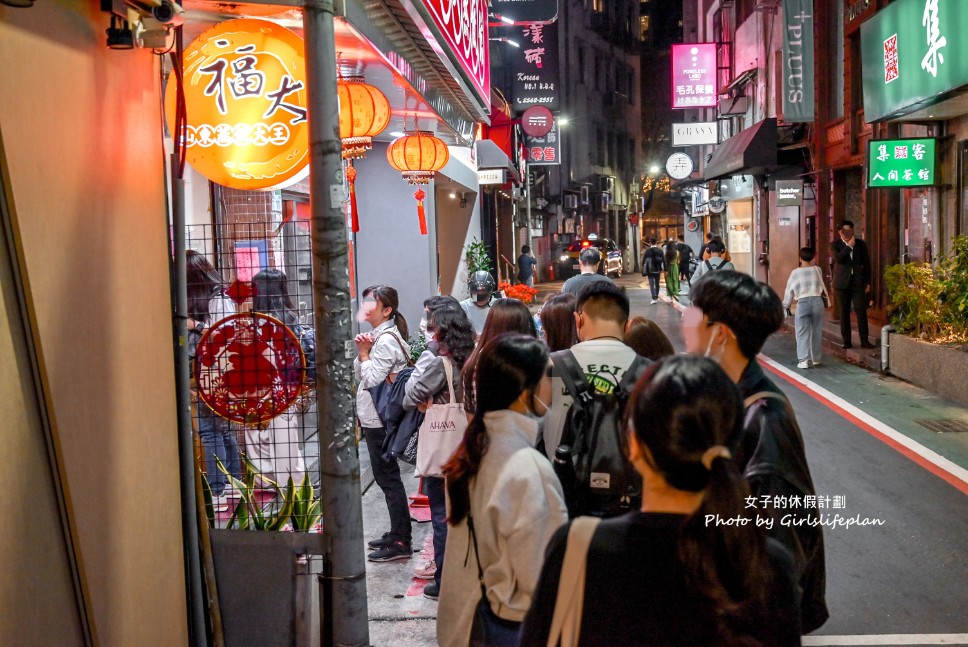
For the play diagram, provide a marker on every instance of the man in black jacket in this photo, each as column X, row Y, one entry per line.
column 685, row 255
column 730, row 318
column 852, row 282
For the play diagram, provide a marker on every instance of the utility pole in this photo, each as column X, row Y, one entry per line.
column 344, row 592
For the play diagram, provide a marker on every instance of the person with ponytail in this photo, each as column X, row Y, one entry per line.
column 504, row 500
column 382, row 353
column 691, row 568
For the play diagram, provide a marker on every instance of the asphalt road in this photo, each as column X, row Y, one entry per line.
column 903, row 581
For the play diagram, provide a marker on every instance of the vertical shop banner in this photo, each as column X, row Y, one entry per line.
column 534, row 65
column 694, row 75
column 523, row 11
column 798, row 66
column 543, row 151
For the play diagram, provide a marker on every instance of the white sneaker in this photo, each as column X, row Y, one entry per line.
column 653, row 301
column 817, row 363
column 803, row 364
column 425, row 570
column 220, row 503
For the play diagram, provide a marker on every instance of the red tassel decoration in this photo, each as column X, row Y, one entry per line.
column 420, row 195
column 351, row 177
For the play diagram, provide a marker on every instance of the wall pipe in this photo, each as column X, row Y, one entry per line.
column 886, row 348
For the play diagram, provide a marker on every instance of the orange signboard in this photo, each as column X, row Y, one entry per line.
column 245, row 102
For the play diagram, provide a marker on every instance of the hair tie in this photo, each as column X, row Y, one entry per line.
column 711, row 454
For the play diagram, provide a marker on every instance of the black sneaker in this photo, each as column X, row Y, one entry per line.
column 393, row 551
column 432, row 591
column 376, row 544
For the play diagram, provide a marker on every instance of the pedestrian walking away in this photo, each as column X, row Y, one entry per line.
column 382, row 353
column 526, row 263
column 685, row 258
column 659, row 575
column 672, row 270
column 806, row 287
column 852, row 282
column 730, row 318
column 589, row 261
column 653, row 265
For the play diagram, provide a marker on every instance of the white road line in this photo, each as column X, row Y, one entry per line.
column 929, row 455
column 889, row 639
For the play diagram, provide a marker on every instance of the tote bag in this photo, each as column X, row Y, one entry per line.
column 441, row 432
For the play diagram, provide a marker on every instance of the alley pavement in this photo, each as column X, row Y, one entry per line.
column 901, row 579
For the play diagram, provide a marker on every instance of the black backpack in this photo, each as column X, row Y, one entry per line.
column 591, row 458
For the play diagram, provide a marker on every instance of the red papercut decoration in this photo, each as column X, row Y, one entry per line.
column 239, row 291
column 249, row 368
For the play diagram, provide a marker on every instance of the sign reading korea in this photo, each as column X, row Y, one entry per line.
column 245, row 102
column 695, row 134
column 534, row 66
column 913, row 52
column 463, row 24
column 694, row 75
column 900, row 162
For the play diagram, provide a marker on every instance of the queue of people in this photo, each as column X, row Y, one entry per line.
column 703, row 432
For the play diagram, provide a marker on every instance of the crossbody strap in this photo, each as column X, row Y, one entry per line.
column 570, row 602
column 764, row 394
column 477, row 555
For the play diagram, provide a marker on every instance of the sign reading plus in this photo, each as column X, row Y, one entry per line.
column 463, row 25
column 798, row 60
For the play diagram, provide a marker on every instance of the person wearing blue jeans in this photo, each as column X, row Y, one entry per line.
column 218, row 441
column 653, row 264
column 806, row 286
column 434, row 487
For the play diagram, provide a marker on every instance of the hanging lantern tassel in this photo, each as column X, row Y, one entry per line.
column 351, row 178
column 420, row 195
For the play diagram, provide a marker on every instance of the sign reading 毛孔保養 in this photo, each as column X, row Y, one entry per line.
column 694, row 75
column 913, row 54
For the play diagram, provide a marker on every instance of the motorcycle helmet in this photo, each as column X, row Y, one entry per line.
column 481, row 286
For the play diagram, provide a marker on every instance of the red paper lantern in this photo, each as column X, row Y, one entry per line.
column 364, row 112
column 418, row 156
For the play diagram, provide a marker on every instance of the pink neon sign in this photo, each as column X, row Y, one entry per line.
column 694, row 75
column 464, row 26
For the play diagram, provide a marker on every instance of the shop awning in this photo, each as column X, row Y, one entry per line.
column 490, row 156
column 751, row 152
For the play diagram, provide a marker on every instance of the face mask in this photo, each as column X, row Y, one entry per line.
column 483, row 298
column 717, row 355
column 431, row 336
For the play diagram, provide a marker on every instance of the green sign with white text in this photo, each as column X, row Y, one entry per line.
column 900, row 163
column 913, row 52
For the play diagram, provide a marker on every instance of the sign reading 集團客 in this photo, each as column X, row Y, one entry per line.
column 901, row 163
column 913, row 53
column 694, row 75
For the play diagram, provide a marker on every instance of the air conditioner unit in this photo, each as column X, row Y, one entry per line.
column 583, row 195
column 606, row 183
column 602, row 201
column 571, row 201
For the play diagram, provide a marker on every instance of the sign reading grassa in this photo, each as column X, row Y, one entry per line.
column 463, row 24
column 245, row 102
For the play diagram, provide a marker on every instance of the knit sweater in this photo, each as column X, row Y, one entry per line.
column 517, row 504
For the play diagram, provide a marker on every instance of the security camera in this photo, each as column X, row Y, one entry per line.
column 169, row 13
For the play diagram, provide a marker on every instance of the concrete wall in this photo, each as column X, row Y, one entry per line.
column 81, row 127
column 938, row 369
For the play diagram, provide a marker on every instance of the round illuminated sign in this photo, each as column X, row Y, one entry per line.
column 537, row 121
column 692, row 225
column 679, row 166
column 245, row 103
column 249, row 368
column 717, row 204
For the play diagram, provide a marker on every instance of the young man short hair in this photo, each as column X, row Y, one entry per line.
column 588, row 261
column 730, row 319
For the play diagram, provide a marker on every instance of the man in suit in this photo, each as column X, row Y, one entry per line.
column 852, row 282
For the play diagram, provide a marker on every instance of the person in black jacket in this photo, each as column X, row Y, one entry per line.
column 852, row 282
column 730, row 318
column 685, row 256
column 653, row 264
